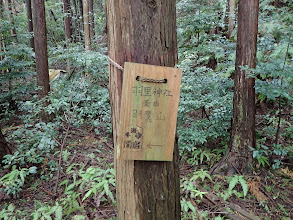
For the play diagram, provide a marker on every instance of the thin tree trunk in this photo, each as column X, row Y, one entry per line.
column 87, row 37
column 13, row 7
column 239, row 157
column 213, row 30
column 67, row 20
column 81, row 12
column 11, row 19
column 1, row 8
column 92, row 19
column 142, row 32
column 4, row 147
column 231, row 16
column 30, row 22
column 40, row 34
column 1, row 35
column 75, row 16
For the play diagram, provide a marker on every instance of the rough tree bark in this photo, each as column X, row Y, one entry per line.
column 92, row 18
column 1, row 8
column 30, row 22
column 86, row 25
column 231, row 18
column 67, row 20
column 11, row 19
column 81, row 11
column 4, row 147
column 76, row 23
column 239, row 156
column 1, row 35
column 40, row 35
column 142, row 32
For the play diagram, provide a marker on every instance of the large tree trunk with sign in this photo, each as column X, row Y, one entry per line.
column 239, row 156
column 142, row 32
column 40, row 39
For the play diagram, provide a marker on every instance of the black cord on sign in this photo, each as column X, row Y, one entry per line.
column 143, row 79
column 138, row 78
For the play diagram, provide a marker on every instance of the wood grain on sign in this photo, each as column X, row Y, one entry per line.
column 148, row 112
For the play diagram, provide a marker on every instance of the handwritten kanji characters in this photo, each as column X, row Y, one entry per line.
column 148, row 116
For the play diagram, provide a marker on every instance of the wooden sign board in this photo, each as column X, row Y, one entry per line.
column 148, row 112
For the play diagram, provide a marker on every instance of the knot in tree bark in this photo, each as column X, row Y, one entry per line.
column 152, row 4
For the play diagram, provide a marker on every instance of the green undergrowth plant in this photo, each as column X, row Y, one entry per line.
column 205, row 108
column 9, row 212
column 237, row 185
column 12, row 182
column 270, row 156
column 94, row 183
column 202, row 174
column 35, row 143
column 93, row 63
column 79, row 101
column 191, row 196
column 44, row 211
column 18, row 78
column 203, row 156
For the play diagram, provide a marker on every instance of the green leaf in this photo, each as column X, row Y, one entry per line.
column 22, row 176
column 192, row 208
column 32, row 170
column 58, row 213
column 244, row 185
column 87, row 195
column 64, row 182
column 71, row 186
column 106, row 188
column 233, row 182
column 11, row 208
column 36, row 215
column 111, row 196
column 201, row 157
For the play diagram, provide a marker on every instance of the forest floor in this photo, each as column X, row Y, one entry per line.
column 270, row 193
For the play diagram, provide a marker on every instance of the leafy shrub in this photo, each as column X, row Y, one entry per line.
column 14, row 181
column 92, row 183
column 18, row 78
column 208, row 95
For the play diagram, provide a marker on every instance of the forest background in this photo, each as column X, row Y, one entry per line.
column 63, row 168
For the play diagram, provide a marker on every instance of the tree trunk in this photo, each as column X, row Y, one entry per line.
column 67, row 20
column 1, row 8
column 231, row 18
column 75, row 16
column 40, row 34
column 11, row 19
column 4, row 147
column 142, row 32
column 1, row 35
column 92, row 18
column 213, row 30
column 86, row 23
column 239, row 157
column 30, row 22
column 81, row 11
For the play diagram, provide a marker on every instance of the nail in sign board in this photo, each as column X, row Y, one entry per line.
column 148, row 116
